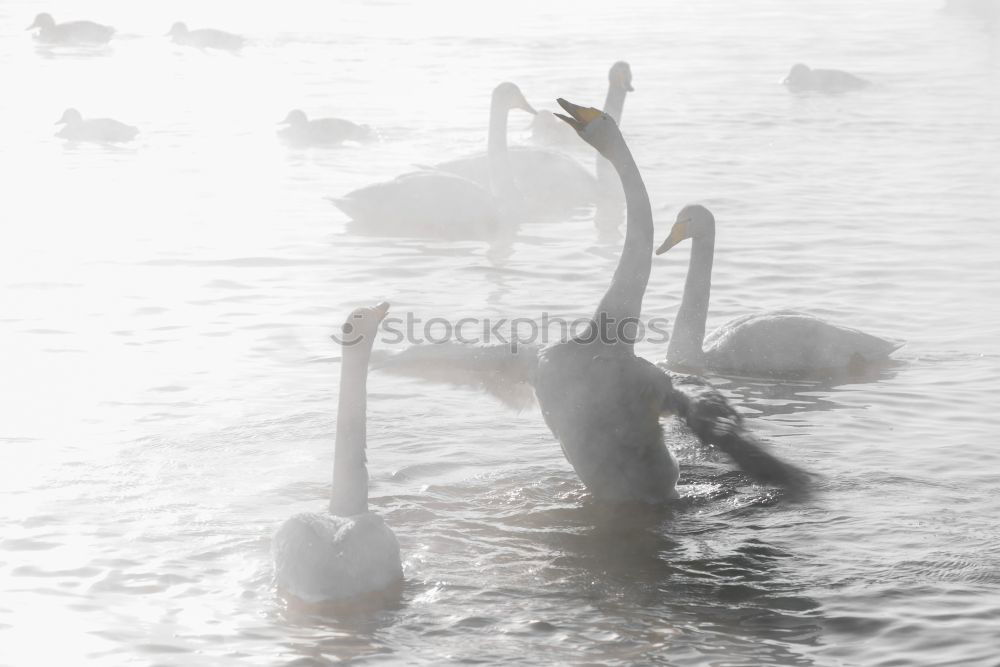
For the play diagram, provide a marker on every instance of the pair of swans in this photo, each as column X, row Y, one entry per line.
column 601, row 401
column 479, row 197
column 350, row 552
column 96, row 130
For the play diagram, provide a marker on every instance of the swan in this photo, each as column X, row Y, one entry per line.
column 801, row 78
column 601, row 401
column 779, row 343
column 550, row 182
column 547, row 129
column 300, row 131
column 349, row 552
column 205, row 38
column 71, row 32
column 97, row 130
column 438, row 203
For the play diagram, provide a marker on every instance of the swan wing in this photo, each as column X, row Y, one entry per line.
column 505, row 371
column 716, row 422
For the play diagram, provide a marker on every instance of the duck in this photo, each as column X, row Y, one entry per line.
column 299, row 131
column 95, row 130
column 205, row 38
column 71, row 32
column 439, row 204
column 349, row 552
column 801, row 79
column 773, row 344
column 599, row 399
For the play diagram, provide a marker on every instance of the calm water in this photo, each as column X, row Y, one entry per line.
column 169, row 389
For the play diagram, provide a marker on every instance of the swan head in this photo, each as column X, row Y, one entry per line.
column 509, row 96
column 798, row 76
column 178, row 29
column 362, row 325
column 69, row 116
column 295, row 117
column 593, row 125
column 693, row 222
column 43, row 21
column 620, row 75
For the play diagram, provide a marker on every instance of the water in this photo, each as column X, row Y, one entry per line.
column 169, row 388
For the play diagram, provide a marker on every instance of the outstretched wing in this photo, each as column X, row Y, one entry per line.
column 505, row 371
column 711, row 417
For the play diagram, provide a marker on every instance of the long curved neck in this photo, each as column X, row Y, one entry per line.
column 623, row 300
column 501, row 176
column 350, row 474
column 614, row 106
column 685, row 345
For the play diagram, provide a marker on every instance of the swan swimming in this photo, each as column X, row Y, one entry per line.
column 298, row 130
column 71, row 32
column 549, row 182
column 601, row 401
column 801, row 78
column 441, row 204
column 96, row 130
column 349, row 552
column 205, row 38
column 779, row 343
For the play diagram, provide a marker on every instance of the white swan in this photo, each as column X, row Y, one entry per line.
column 551, row 182
column 801, row 78
column 71, row 32
column 349, row 552
column 298, row 130
column 438, row 203
column 205, row 38
column 778, row 343
column 96, row 130
column 598, row 398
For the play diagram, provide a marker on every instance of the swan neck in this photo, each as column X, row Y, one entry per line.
column 501, row 176
column 622, row 303
column 685, row 346
column 350, row 474
column 614, row 106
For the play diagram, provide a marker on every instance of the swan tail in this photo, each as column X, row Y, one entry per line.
column 714, row 420
column 507, row 371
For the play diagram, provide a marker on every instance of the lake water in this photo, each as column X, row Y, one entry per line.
column 169, row 389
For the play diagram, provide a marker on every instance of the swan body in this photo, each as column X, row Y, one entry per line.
column 802, row 78
column 95, row 130
column 71, row 32
column 427, row 203
column 349, row 552
column 439, row 203
column 299, row 130
column 781, row 343
column 601, row 401
column 205, row 38
column 549, row 181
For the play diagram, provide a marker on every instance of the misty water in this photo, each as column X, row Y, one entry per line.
column 169, row 387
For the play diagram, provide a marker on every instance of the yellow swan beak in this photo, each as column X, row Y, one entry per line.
column 579, row 117
column 677, row 234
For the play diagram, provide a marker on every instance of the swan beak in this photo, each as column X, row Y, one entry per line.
column 579, row 117
column 677, row 234
column 381, row 310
